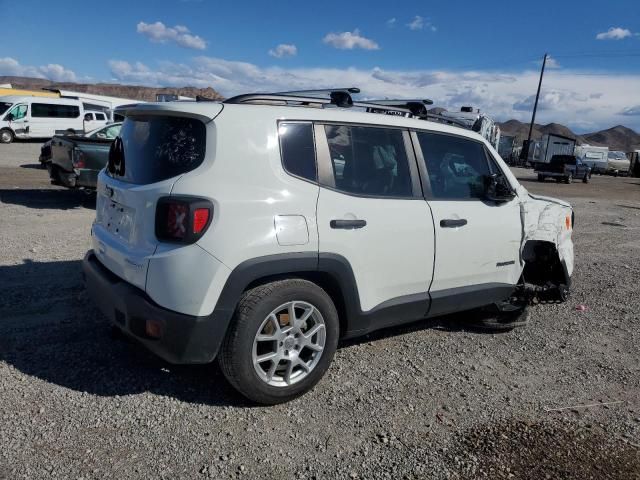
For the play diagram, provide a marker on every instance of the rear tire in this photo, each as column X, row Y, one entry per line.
column 540, row 178
column 568, row 179
column 6, row 136
column 264, row 312
column 586, row 178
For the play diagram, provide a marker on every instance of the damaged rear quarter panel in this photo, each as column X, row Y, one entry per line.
column 544, row 219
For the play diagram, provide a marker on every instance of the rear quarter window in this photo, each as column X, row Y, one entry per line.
column 298, row 149
column 155, row 148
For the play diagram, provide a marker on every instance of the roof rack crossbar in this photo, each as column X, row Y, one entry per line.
column 321, row 91
column 448, row 121
column 416, row 107
column 337, row 97
column 277, row 97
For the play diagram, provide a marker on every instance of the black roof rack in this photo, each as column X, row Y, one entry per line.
column 448, row 121
column 416, row 107
column 340, row 97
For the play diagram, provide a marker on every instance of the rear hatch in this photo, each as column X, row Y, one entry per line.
column 155, row 147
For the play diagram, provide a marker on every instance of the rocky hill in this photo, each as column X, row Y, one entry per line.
column 616, row 138
column 133, row 92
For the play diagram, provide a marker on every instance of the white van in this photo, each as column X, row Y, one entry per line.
column 26, row 117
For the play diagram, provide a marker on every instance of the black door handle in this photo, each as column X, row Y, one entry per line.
column 451, row 223
column 347, row 224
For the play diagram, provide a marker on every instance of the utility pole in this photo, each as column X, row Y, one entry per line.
column 535, row 106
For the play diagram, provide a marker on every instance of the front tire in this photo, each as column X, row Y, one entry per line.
column 569, row 178
column 540, row 177
column 6, row 136
column 281, row 341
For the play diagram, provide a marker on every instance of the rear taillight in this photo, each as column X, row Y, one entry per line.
column 77, row 158
column 200, row 219
column 182, row 219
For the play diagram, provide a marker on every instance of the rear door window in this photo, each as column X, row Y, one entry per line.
column 369, row 161
column 154, row 148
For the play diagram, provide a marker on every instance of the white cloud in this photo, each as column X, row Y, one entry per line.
column 391, row 22
column 159, row 33
column 349, row 41
column 52, row 71
column 419, row 23
column 57, row 73
column 614, row 33
column 552, row 62
column 572, row 97
column 284, row 50
column 631, row 111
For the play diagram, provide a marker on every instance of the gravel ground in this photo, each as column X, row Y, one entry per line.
column 430, row 400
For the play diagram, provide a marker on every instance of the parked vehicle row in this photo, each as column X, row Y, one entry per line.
column 563, row 168
column 261, row 230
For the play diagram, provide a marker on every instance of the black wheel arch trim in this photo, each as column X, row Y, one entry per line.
column 338, row 270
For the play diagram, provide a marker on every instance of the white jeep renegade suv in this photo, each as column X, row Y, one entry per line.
column 263, row 229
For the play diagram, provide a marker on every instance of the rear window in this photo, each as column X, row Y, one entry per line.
column 154, row 148
column 565, row 159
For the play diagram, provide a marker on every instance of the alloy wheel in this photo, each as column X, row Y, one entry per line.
column 289, row 344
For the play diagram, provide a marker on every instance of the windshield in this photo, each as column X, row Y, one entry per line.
column 154, row 148
column 4, row 106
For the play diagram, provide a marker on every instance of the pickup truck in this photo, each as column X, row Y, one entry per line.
column 563, row 167
column 74, row 161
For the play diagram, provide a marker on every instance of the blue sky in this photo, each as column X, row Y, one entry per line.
column 457, row 52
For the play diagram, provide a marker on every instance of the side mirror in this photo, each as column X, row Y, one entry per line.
column 9, row 117
column 497, row 189
column 101, row 135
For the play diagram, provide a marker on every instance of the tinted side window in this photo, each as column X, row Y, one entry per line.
column 100, row 116
column 457, row 167
column 369, row 161
column 298, row 150
column 49, row 110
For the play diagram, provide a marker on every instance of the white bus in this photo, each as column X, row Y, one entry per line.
column 27, row 117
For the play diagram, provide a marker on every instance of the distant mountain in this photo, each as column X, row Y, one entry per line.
column 616, row 138
column 132, row 92
column 621, row 137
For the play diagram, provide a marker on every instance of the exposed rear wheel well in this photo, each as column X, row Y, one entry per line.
column 324, row 280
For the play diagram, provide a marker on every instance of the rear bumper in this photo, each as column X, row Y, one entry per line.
column 184, row 339
column 86, row 178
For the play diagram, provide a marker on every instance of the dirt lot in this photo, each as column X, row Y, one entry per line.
column 426, row 401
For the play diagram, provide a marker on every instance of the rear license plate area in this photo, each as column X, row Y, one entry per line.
column 117, row 219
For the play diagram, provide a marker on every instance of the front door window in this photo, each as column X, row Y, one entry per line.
column 17, row 113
